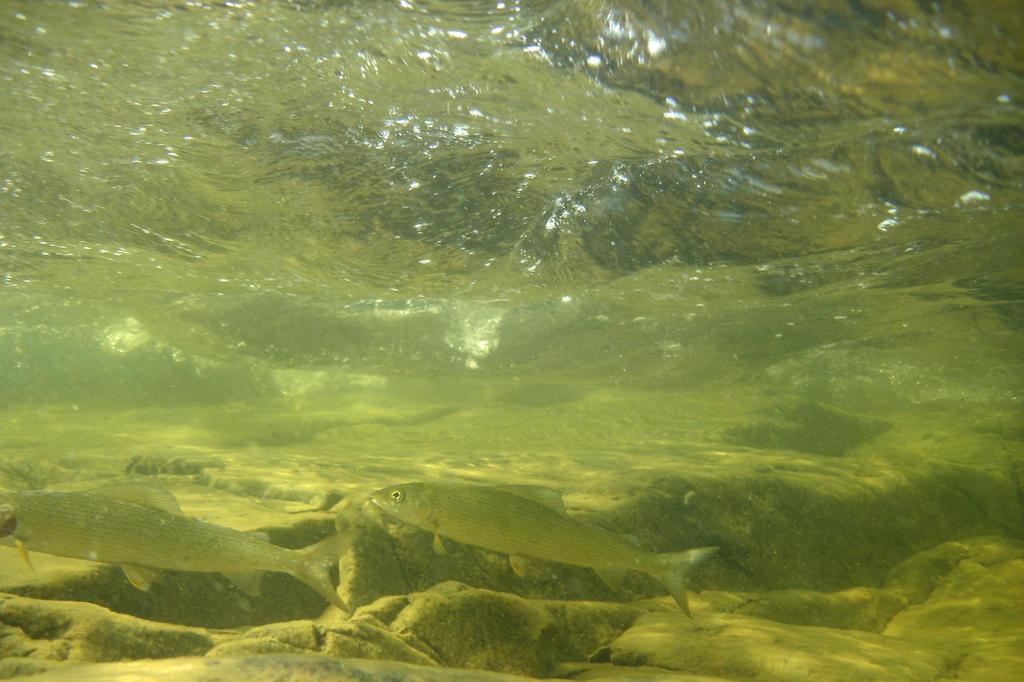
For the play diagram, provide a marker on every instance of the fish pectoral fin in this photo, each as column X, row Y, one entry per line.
column 612, row 577
column 439, row 543
column 247, row 581
column 141, row 577
column 519, row 564
column 23, row 551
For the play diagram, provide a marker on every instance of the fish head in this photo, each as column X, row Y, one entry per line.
column 407, row 501
column 8, row 520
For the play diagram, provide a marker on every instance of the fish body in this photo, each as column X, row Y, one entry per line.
column 503, row 519
column 142, row 532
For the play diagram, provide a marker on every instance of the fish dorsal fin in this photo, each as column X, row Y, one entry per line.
column 549, row 497
column 143, row 494
column 141, row 577
column 248, row 582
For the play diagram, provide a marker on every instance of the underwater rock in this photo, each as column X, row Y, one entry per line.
column 21, row 666
column 453, row 625
column 466, row 627
column 371, row 569
column 963, row 620
column 177, row 465
column 266, row 668
column 799, row 528
column 954, row 613
column 916, row 578
column 973, row 610
column 612, row 673
column 347, row 639
column 738, row 647
column 316, row 496
column 290, row 637
column 859, row 608
column 78, row 631
column 29, row 474
column 363, row 640
column 808, row 426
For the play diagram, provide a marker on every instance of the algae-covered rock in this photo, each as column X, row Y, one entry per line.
column 474, row 628
column 955, row 612
column 793, row 527
column 738, row 647
column 975, row 608
column 477, row 628
column 362, row 640
column 586, row 672
column 807, row 426
column 384, row 610
column 295, row 637
column 859, row 608
column 915, row 578
column 267, row 668
column 345, row 639
column 371, row 569
column 22, row 666
column 86, row 632
column 172, row 463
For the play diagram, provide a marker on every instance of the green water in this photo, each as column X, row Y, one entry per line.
column 582, row 228
column 338, row 244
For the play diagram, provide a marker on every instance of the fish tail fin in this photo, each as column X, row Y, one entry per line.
column 673, row 570
column 314, row 562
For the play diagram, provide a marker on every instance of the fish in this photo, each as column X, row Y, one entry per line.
column 528, row 523
column 141, row 528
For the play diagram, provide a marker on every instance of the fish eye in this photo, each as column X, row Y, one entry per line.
column 397, row 495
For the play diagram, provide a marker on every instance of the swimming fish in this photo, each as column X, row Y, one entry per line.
column 141, row 528
column 527, row 524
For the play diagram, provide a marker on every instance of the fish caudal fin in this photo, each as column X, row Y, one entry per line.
column 673, row 570
column 313, row 567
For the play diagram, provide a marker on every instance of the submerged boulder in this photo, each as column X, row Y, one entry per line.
column 955, row 612
column 266, row 668
column 345, row 639
column 973, row 609
column 738, row 647
column 473, row 628
column 76, row 631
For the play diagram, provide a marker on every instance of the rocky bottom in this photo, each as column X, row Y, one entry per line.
column 950, row 612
